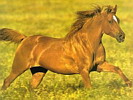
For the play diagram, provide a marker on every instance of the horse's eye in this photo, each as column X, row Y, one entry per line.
column 110, row 21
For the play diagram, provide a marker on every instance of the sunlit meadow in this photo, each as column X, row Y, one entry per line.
column 54, row 18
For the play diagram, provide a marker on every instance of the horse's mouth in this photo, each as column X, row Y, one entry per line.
column 120, row 40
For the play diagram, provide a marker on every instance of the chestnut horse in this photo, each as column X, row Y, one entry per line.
column 80, row 52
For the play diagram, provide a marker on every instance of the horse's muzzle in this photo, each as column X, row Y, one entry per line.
column 120, row 38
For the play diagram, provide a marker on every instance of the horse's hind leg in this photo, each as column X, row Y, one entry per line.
column 13, row 75
column 19, row 66
column 37, row 75
column 110, row 68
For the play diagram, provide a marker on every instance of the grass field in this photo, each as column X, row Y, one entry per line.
column 54, row 18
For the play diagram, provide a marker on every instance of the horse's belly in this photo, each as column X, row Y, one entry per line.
column 61, row 70
column 55, row 64
column 52, row 58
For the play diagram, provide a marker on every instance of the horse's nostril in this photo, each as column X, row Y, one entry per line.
column 121, row 36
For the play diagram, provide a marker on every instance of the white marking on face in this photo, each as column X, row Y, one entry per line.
column 114, row 17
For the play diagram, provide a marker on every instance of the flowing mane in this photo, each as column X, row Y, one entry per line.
column 82, row 16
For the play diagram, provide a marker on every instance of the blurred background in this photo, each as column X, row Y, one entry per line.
column 54, row 18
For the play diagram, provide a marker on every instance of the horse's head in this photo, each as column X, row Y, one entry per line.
column 111, row 24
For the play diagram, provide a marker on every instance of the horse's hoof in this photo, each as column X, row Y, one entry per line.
column 129, row 83
column 3, row 88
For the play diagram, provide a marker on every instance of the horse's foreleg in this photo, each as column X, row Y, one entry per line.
column 37, row 76
column 111, row 68
column 86, row 78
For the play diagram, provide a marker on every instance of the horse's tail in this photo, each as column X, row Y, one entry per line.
column 11, row 35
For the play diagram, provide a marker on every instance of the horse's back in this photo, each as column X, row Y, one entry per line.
column 29, row 44
column 33, row 48
column 33, row 41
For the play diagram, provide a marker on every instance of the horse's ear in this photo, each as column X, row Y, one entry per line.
column 115, row 9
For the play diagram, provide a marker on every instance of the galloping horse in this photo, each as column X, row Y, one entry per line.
column 80, row 52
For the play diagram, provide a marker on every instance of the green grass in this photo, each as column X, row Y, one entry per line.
column 54, row 18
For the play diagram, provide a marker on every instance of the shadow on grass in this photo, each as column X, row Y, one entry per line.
column 116, row 84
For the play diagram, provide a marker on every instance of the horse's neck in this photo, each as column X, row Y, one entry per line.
column 89, row 37
column 86, row 41
column 95, row 39
column 92, row 36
